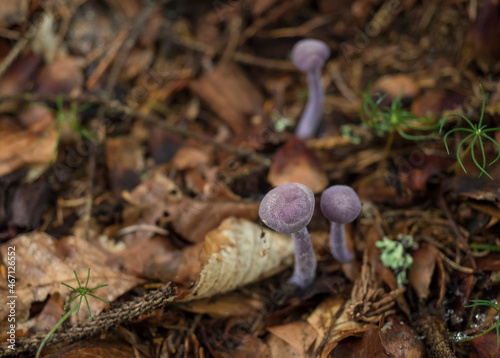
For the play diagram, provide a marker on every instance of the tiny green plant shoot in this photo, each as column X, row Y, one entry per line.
column 477, row 133
column 394, row 119
column 69, row 118
column 496, row 325
column 82, row 292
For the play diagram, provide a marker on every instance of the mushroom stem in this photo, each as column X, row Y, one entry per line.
column 305, row 259
column 311, row 116
column 338, row 243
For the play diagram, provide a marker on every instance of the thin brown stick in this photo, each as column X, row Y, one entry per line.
column 102, row 323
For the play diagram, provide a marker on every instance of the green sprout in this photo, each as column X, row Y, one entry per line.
column 82, row 292
column 477, row 133
column 69, row 118
column 395, row 256
column 496, row 325
column 394, row 119
column 485, row 247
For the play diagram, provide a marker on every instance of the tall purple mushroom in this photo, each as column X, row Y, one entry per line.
column 340, row 204
column 288, row 209
column 309, row 55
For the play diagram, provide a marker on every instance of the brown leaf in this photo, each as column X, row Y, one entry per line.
column 371, row 344
column 97, row 348
column 330, row 320
column 19, row 148
column 299, row 334
column 396, row 85
column 194, row 219
column 63, row 75
column 400, row 340
column 42, row 263
column 295, row 163
column 125, row 161
column 230, row 94
column 278, row 348
column 422, row 270
column 13, row 12
column 485, row 346
column 228, row 305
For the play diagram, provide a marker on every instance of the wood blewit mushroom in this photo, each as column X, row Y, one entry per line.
column 340, row 204
column 309, row 55
column 288, row 209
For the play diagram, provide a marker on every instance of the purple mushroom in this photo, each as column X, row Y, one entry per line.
column 288, row 209
column 340, row 204
column 309, row 55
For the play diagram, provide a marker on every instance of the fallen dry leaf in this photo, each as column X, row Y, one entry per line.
column 485, row 346
column 97, row 348
column 194, row 219
column 63, row 75
column 295, row 163
column 422, row 270
column 234, row 255
column 125, row 161
column 230, row 94
column 19, row 148
column 396, row 85
column 43, row 262
column 330, row 321
column 228, row 305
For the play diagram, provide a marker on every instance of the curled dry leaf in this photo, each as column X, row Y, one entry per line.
column 42, row 263
column 330, row 320
column 295, row 163
column 422, row 270
column 234, row 255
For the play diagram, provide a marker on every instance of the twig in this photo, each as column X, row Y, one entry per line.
column 117, row 107
column 102, row 323
column 16, row 50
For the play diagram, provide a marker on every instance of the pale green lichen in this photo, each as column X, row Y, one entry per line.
column 395, row 255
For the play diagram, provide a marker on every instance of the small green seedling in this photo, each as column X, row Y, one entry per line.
column 477, row 133
column 69, row 118
column 485, row 247
column 496, row 325
column 82, row 292
column 394, row 119
column 395, row 256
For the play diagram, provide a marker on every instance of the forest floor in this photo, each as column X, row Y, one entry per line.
column 138, row 138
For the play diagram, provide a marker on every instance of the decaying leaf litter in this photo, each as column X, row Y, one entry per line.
column 138, row 139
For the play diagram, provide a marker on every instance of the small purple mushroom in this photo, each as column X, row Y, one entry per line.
column 309, row 55
column 288, row 209
column 340, row 204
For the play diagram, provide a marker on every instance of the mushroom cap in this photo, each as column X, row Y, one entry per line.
column 287, row 208
column 309, row 54
column 340, row 203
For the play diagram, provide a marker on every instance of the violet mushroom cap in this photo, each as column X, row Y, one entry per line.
column 309, row 55
column 341, row 205
column 288, row 209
